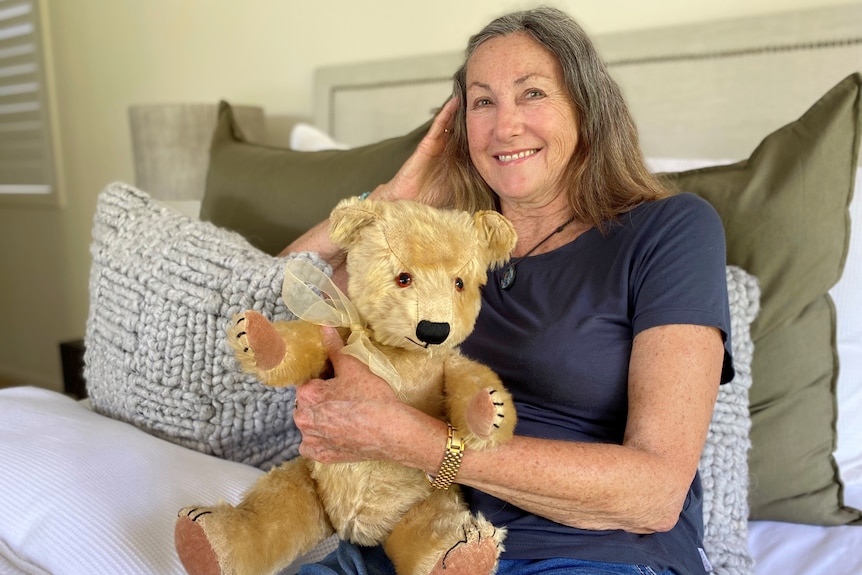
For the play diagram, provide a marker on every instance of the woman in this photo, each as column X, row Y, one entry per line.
column 611, row 328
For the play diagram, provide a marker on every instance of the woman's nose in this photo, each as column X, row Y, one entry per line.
column 509, row 121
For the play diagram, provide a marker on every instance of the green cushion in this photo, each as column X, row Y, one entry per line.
column 786, row 218
column 272, row 195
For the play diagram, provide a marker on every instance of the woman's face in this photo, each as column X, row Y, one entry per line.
column 521, row 125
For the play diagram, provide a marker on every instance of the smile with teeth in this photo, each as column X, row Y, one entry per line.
column 516, row 156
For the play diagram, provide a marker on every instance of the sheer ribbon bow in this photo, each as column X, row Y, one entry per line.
column 312, row 296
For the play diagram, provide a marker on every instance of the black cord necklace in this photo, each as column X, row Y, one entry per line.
column 508, row 279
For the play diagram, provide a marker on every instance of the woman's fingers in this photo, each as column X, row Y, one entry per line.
column 434, row 142
column 405, row 184
column 443, row 123
column 339, row 417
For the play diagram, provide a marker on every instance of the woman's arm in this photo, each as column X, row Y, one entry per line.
column 639, row 486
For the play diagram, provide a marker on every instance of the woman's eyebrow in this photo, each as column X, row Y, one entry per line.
column 521, row 80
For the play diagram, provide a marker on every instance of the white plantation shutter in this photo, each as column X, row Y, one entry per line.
column 26, row 147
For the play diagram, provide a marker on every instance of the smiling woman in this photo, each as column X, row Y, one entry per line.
column 604, row 464
column 28, row 152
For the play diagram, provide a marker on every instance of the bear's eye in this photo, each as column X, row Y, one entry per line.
column 404, row 279
column 459, row 284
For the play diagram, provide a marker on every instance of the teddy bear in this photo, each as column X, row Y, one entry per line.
column 415, row 280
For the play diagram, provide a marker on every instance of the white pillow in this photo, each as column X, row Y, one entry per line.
column 848, row 305
column 308, row 138
column 83, row 493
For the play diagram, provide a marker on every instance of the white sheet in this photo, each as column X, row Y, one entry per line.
column 81, row 493
column 790, row 549
column 84, row 494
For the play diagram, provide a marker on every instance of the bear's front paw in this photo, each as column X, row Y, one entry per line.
column 490, row 415
column 255, row 342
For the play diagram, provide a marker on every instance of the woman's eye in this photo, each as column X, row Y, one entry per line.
column 481, row 103
column 404, row 279
column 459, row 284
column 535, row 93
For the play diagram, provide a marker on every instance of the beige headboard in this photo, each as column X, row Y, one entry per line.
column 710, row 90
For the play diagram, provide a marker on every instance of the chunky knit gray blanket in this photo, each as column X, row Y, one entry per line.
column 162, row 289
column 724, row 462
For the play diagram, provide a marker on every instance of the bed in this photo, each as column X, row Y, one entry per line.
column 762, row 116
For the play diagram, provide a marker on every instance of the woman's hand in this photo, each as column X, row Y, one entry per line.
column 356, row 416
column 406, row 182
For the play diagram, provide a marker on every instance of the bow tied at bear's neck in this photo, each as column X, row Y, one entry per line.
column 312, row 296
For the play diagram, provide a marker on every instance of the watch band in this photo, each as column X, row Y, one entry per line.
column 451, row 460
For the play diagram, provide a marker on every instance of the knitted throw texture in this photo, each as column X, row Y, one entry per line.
column 162, row 290
column 724, row 462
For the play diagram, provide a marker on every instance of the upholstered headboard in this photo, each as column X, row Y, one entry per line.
column 740, row 78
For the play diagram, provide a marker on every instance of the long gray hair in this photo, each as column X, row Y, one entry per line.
column 606, row 174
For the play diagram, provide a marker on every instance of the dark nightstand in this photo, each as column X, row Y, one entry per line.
column 72, row 359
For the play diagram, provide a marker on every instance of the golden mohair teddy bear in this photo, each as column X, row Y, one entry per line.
column 415, row 277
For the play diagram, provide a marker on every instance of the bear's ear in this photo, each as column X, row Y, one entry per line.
column 348, row 217
column 497, row 236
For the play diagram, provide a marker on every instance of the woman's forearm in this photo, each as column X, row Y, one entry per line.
column 315, row 240
column 590, row 486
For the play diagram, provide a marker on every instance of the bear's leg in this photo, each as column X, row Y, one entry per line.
column 279, row 354
column 439, row 536
column 279, row 519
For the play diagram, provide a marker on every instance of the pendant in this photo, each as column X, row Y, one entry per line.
column 508, row 278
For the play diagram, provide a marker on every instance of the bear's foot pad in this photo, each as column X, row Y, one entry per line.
column 477, row 553
column 193, row 545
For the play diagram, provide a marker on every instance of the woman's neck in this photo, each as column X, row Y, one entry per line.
column 542, row 229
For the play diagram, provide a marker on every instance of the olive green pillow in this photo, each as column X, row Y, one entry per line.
column 786, row 218
column 272, row 195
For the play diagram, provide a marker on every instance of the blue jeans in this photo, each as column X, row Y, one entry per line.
column 349, row 559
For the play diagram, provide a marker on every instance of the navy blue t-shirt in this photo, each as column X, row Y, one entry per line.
column 561, row 337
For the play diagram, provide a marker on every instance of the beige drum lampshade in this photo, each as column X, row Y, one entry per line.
column 170, row 143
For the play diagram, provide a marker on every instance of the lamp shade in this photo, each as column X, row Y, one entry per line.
column 170, row 144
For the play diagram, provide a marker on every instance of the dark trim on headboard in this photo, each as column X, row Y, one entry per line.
column 756, row 50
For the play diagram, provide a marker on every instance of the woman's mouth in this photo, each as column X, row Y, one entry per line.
column 506, row 158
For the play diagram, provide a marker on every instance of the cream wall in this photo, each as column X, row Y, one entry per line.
column 109, row 54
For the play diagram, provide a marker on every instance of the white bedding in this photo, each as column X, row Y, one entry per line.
column 84, row 494
column 792, row 549
column 81, row 493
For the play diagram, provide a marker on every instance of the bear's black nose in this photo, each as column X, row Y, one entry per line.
column 432, row 332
